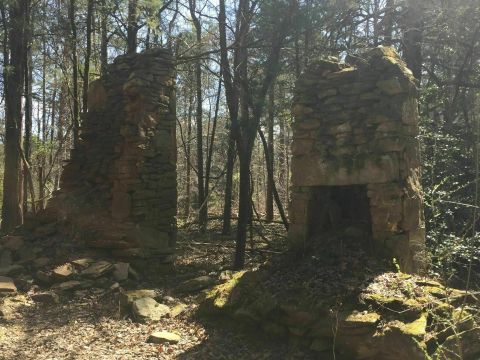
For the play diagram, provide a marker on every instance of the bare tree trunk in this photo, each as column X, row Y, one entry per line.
column 208, row 167
column 227, row 204
column 269, row 156
column 249, row 126
column 244, row 131
column 42, row 133
column 413, row 36
column 242, row 139
column 188, row 156
column 232, row 104
column 88, row 52
column 28, row 107
column 60, row 128
column 104, row 37
column 171, row 25
column 12, row 214
column 73, row 44
column 376, row 32
column 270, row 175
column 52, row 126
column 202, row 200
column 132, row 27
column 388, row 21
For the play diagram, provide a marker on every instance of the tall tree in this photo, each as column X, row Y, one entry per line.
column 270, row 147
column 388, row 22
column 202, row 200
column 88, row 54
column 28, row 106
column 103, row 36
column 132, row 26
column 73, row 48
column 12, row 214
column 231, row 94
column 244, row 128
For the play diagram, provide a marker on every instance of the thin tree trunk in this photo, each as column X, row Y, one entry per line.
column 269, row 151
column 41, row 170
column 232, row 104
column 249, row 127
column 188, row 156
column 227, row 205
column 270, row 175
column 104, row 38
column 413, row 36
column 375, row 22
column 282, row 152
column 60, row 128
column 388, row 21
column 88, row 52
column 73, row 45
column 28, row 109
column 201, row 201
column 242, row 139
column 132, row 27
column 12, row 214
column 208, row 167
column 171, row 25
column 244, row 211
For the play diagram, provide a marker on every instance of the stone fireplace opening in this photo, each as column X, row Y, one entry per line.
column 340, row 211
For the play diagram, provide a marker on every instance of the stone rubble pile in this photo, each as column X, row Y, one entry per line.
column 46, row 281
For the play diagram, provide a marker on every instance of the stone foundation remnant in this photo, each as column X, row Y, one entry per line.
column 355, row 158
column 118, row 190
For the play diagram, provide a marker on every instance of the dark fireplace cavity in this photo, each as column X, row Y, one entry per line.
column 340, row 212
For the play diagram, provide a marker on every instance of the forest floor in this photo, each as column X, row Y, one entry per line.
column 89, row 324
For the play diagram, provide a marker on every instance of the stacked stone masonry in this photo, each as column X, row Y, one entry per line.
column 356, row 124
column 118, row 190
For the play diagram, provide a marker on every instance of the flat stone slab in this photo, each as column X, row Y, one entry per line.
column 147, row 309
column 196, row 284
column 128, row 297
column 161, row 337
column 64, row 271
column 68, row 285
column 97, row 269
column 7, row 284
column 82, row 263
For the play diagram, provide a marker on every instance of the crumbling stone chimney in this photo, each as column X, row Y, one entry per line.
column 355, row 164
column 118, row 190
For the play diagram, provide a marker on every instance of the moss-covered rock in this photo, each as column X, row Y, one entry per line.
column 395, row 317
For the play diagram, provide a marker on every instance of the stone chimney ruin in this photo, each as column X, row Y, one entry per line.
column 355, row 158
column 118, row 190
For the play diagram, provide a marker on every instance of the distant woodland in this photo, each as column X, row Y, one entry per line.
column 237, row 64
